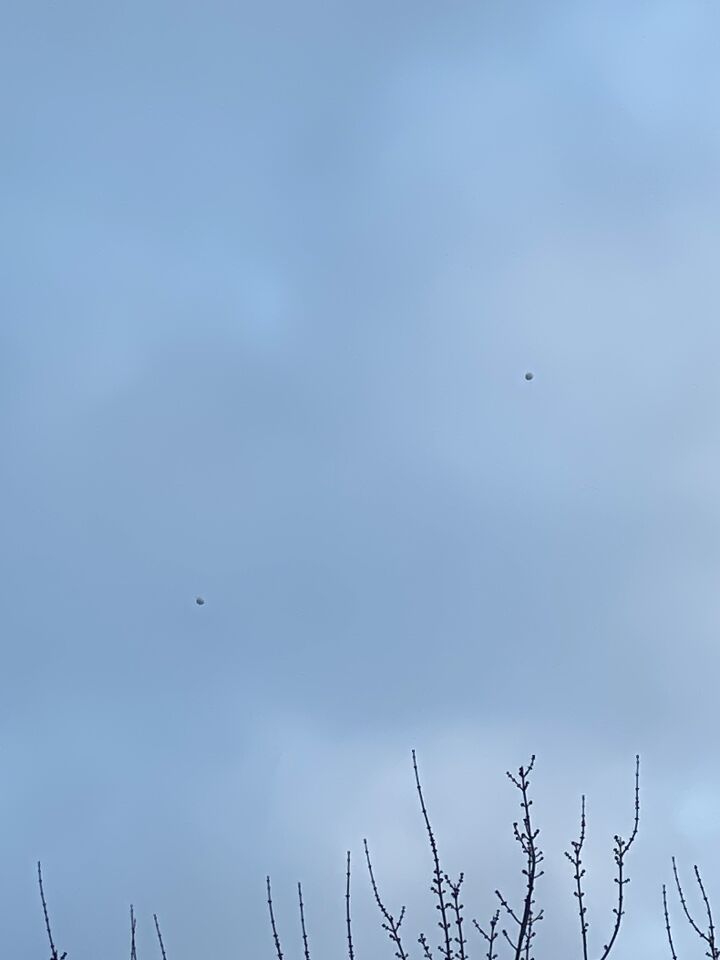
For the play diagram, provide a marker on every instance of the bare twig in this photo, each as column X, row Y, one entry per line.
column 683, row 902
column 437, row 884
column 667, row 924
column 424, row 944
column 533, row 856
column 278, row 951
column 133, row 952
column 620, row 851
column 351, row 955
column 490, row 937
column 392, row 926
column 457, row 907
column 302, row 925
column 53, row 950
column 157, row 928
column 576, row 860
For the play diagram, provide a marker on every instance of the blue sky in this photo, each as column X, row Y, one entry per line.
column 272, row 275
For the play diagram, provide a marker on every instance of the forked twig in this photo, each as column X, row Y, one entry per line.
column 490, row 937
column 619, row 852
column 533, row 855
column 391, row 925
column 708, row 937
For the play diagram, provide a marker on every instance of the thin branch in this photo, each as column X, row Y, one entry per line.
column 302, row 925
column 576, row 860
column 437, row 885
column 426, row 949
column 526, row 838
column 457, row 907
column 351, row 955
column 133, row 952
column 620, row 851
column 692, row 923
column 667, row 924
column 53, row 950
column 278, row 951
column 392, row 926
column 711, row 926
column 490, row 937
column 157, row 928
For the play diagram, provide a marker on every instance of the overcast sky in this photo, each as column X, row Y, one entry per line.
column 272, row 275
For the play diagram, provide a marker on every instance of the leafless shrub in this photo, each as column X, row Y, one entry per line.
column 452, row 944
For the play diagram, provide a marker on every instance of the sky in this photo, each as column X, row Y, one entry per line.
column 271, row 277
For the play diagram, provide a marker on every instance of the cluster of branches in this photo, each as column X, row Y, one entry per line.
column 54, row 955
column 519, row 938
column 518, row 932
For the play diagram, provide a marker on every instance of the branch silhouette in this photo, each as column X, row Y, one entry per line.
column 453, row 943
column 707, row 935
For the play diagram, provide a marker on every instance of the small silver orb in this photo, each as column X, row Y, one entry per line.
column 199, row 601
column 529, row 375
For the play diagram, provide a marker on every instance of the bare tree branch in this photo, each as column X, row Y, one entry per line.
column 708, row 937
column 576, row 860
column 302, row 925
column 53, row 950
column 620, row 852
column 351, row 954
column 157, row 928
column 437, row 884
column 278, row 951
column 392, row 926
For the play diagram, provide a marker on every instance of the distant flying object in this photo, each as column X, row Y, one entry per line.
column 199, row 601
column 529, row 375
